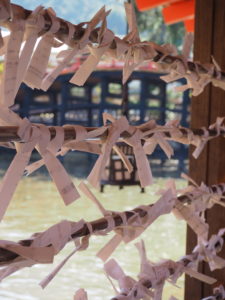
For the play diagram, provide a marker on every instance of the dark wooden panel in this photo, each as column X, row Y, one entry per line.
column 200, row 117
column 216, row 158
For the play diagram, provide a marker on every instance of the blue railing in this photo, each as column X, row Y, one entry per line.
column 148, row 98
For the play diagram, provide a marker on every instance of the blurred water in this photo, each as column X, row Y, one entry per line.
column 36, row 205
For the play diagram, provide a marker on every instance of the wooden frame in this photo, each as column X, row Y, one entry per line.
column 189, row 25
column 179, row 11
column 149, row 4
column 209, row 167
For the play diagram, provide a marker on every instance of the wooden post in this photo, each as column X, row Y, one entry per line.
column 210, row 166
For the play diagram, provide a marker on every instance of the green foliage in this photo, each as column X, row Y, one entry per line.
column 152, row 28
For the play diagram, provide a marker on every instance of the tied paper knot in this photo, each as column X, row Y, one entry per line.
column 43, row 248
column 124, row 232
column 15, row 171
column 196, row 222
column 80, row 245
column 214, row 73
column 40, row 57
column 143, row 166
column 137, row 291
column 126, row 283
column 173, row 127
column 135, row 55
column 155, row 274
column 181, row 211
column 105, row 38
column 34, row 136
column 107, row 214
column 10, row 77
column 196, row 80
column 130, row 47
column 34, row 26
column 133, row 227
column 202, row 197
column 35, row 21
column 5, row 10
column 218, row 293
column 59, row 146
column 56, row 170
column 114, row 131
column 68, row 55
column 218, row 125
column 80, row 143
column 158, row 138
column 179, row 69
column 200, row 141
column 208, row 251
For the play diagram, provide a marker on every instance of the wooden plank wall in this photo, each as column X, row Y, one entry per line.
column 210, row 166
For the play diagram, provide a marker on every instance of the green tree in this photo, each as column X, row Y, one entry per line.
column 152, row 27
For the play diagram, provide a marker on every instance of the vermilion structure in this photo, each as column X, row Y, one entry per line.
column 173, row 11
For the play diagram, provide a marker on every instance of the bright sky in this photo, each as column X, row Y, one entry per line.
column 77, row 11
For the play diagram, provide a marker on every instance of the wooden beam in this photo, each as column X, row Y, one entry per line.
column 179, row 11
column 189, row 25
column 216, row 155
column 143, row 5
column 199, row 117
column 210, row 166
